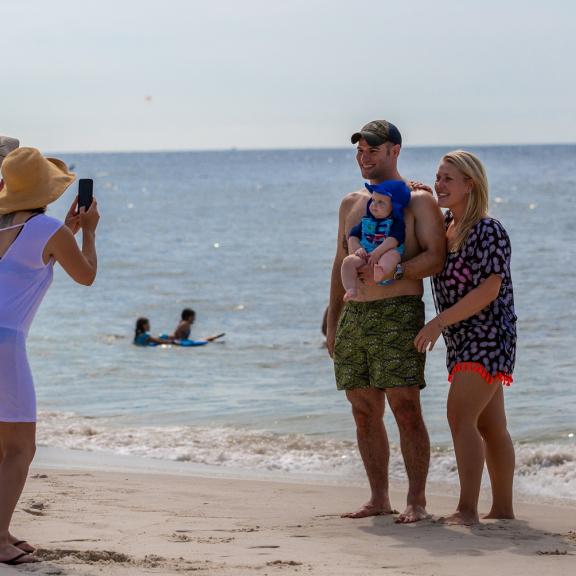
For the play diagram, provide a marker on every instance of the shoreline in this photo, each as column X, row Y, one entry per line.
column 63, row 459
column 127, row 522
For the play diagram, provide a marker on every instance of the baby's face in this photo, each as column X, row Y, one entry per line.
column 381, row 205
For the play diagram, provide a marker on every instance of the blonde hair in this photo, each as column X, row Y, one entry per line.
column 477, row 208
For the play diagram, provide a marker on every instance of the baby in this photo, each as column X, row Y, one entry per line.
column 379, row 238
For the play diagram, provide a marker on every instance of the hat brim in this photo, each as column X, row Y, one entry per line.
column 371, row 138
column 56, row 179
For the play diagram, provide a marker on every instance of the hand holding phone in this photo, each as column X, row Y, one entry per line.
column 85, row 193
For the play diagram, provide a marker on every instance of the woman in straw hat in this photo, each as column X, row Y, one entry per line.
column 475, row 302
column 30, row 243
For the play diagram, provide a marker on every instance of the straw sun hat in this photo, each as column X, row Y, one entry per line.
column 31, row 180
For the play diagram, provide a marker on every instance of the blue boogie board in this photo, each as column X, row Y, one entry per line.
column 185, row 343
column 190, row 343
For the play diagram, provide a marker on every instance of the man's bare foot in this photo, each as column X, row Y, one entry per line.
column 370, row 510
column 460, row 519
column 350, row 295
column 413, row 514
column 499, row 515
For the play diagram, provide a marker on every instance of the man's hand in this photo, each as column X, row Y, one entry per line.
column 330, row 340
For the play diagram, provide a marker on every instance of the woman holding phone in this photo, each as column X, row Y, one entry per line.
column 475, row 305
column 30, row 243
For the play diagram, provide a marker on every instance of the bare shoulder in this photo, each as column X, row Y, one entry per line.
column 422, row 200
column 351, row 200
column 62, row 236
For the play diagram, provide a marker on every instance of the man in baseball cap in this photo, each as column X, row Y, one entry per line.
column 7, row 145
column 371, row 340
column 378, row 132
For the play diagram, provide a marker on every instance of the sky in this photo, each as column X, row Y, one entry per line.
column 122, row 75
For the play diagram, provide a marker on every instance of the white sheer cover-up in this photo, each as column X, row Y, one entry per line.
column 24, row 280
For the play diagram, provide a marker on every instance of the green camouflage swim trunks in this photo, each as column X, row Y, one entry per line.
column 375, row 344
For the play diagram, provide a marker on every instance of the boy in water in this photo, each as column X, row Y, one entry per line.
column 379, row 238
column 184, row 327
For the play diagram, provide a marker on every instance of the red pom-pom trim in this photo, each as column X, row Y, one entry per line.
column 506, row 379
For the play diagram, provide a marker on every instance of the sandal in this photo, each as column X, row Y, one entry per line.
column 15, row 561
column 19, row 545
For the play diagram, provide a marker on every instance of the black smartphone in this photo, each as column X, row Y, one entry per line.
column 85, row 193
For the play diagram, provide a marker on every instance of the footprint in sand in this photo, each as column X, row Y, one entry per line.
column 199, row 540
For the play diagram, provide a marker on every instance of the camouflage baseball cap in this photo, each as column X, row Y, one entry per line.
column 7, row 144
column 378, row 132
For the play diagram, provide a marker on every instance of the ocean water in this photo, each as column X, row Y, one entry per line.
column 247, row 238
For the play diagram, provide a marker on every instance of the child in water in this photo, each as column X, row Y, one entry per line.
column 142, row 336
column 379, row 238
column 184, row 327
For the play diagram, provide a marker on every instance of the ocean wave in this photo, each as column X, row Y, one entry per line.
column 542, row 469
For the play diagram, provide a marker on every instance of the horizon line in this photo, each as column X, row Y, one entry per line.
column 298, row 148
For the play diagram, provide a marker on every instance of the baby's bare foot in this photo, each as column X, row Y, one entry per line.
column 379, row 274
column 350, row 295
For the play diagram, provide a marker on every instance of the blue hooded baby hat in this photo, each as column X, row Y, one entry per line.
column 397, row 191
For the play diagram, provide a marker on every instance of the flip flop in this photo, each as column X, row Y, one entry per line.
column 14, row 561
column 19, row 544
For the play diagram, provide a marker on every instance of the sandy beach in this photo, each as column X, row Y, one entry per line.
column 87, row 521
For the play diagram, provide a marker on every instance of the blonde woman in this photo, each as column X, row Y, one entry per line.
column 475, row 306
column 30, row 243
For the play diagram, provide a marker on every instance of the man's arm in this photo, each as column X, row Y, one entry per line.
column 430, row 235
column 336, row 288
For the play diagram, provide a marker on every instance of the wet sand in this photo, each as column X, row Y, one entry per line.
column 89, row 522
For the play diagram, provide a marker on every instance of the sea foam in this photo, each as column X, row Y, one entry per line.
column 542, row 469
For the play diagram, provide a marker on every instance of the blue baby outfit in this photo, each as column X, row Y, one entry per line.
column 373, row 231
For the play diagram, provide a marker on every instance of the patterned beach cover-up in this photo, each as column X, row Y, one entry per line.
column 485, row 342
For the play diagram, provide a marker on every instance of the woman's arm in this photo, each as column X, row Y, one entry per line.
column 160, row 340
column 475, row 301
column 80, row 265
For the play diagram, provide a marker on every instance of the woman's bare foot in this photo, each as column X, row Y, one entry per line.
column 370, row 509
column 460, row 519
column 10, row 554
column 499, row 515
column 413, row 514
column 351, row 294
column 22, row 544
